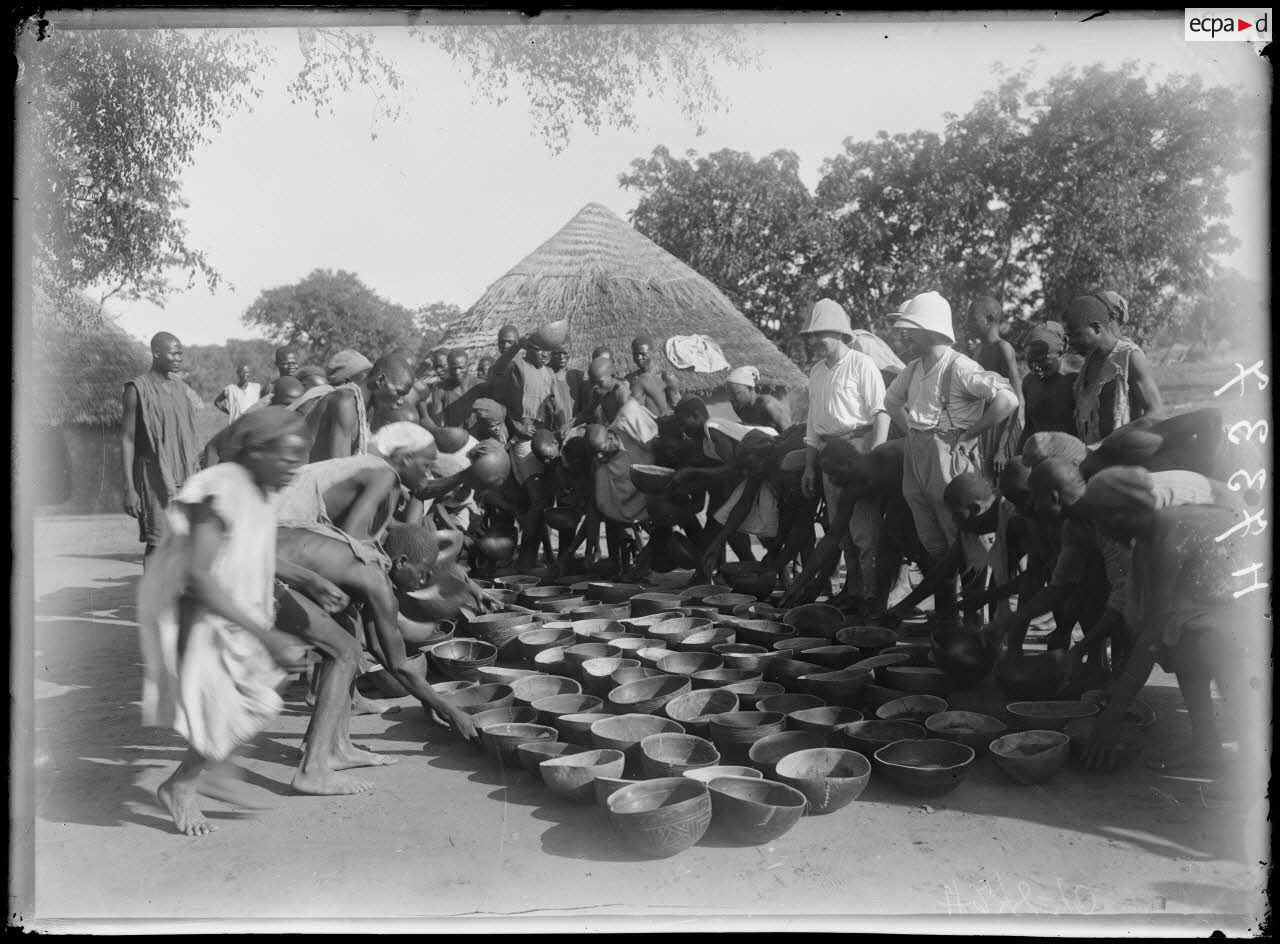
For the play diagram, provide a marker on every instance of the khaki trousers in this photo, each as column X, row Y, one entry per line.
column 931, row 461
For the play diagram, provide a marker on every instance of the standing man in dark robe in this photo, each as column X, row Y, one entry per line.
column 567, row 386
column 158, row 444
column 444, row 406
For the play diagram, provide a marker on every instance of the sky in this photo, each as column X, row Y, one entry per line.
column 454, row 193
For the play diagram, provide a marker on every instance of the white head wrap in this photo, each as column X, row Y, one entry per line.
column 747, row 376
column 399, row 437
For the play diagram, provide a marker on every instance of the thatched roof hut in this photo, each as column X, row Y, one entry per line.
column 612, row 284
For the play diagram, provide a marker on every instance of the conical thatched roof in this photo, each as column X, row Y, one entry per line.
column 612, row 284
column 80, row 369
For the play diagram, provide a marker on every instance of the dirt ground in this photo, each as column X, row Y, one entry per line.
column 446, row 834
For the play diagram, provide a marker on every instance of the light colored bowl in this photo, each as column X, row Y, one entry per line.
column 651, row 655
column 533, row 641
column 749, row 693
column 687, row 663
column 674, row 630
column 458, row 659
column 693, row 710
column 966, row 727
column 822, row 721
column 533, row 753
column 576, row 728
column 501, row 740
column 625, row 732
column 553, row 707
column 704, row 640
column 726, row 602
column 633, row 674
column 911, row 708
column 513, row 714
column 829, row 778
column 530, row 689
column 552, row 661
column 483, row 697
column 597, row 630
column 842, row 687
column 606, row 787
column 1031, row 757
column 670, row 755
column 718, row 678
column 766, row 752
column 647, row 696
column 707, row 774
column 572, row 776
column 755, row 811
column 597, row 673
column 503, row 676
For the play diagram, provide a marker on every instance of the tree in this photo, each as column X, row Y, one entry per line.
column 432, row 321
column 210, row 367
column 332, row 311
column 111, row 118
column 745, row 224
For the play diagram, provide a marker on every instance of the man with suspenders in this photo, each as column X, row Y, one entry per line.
column 945, row 402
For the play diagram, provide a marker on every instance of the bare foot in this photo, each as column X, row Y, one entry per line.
column 180, row 801
column 360, row 705
column 329, row 784
column 352, row 755
column 225, row 783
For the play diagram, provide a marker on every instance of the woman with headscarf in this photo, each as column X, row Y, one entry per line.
column 207, row 607
column 1115, row 384
column 1048, row 394
column 751, row 406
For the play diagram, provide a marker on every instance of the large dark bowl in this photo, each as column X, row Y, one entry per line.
column 795, row 645
column 726, row 602
column 496, row 547
column 1031, row 757
column 915, row 708
column 734, row 732
column 756, row 811
column 693, row 710
column 419, row 634
column 741, row 656
column 651, row 479
column 868, row 640
column 815, row 619
column 822, row 721
column 829, row 777
column 966, row 727
column 750, row 578
column 674, row 630
column 1032, row 676
column 925, row 768
column 597, row 630
column 748, row 693
column 692, row 596
column 762, row 632
column 787, row 672
column 659, row 818
column 922, row 679
column 963, row 654
column 614, row 593
column 531, row 596
column 565, row 604
column 458, row 659
column 501, row 740
column 842, row 687
column 867, row 737
column 646, row 606
column 765, row 753
column 575, row 655
column 533, row 641
column 554, row 707
column 625, row 732
column 480, row 698
column 572, row 776
column 533, row 753
column 1048, row 715
column 633, row 674
column 647, row 696
column 832, row 657
column 517, row 581
column 670, row 755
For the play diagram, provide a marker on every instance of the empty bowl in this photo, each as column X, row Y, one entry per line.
column 787, row 671
column 704, row 639
column 576, row 728
column 661, row 817
column 868, row 640
column 552, row 660
column 966, row 727
column 480, row 698
column 696, row 594
column 833, row 657
column 646, row 696
column 921, row 679
column 755, row 811
column 841, row 687
column 670, row 755
column 674, row 630
column 787, row 703
column 762, row 632
column 1031, row 756
column 625, row 732
column 501, row 740
column 572, row 776
column 650, row 608
column 829, row 777
column 867, row 737
column 765, row 753
column 533, row 753
column 512, row 715
column 929, row 767
column 597, row 674
column 734, row 732
column 633, row 674
column 597, row 630
column 614, row 593
column 605, row 787
column 822, row 721
column 693, row 710
column 718, row 678
column 912, row 708
column 707, row 774
column 798, row 644
column 1048, row 715
column 748, row 693
column 815, row 619
column 726, row 602
column 626, row 646
column 529, row 689
column 458, row 659
column 687, row 663
column 652, row 654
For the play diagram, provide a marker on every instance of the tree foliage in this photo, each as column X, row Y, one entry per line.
column 746, row 224
column 210, row 367
column 111, row 118
column 331, row 311
column 432, row 321
column 1099, row 179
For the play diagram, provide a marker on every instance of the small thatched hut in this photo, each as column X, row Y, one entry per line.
column 611, row 284
column 79, row 378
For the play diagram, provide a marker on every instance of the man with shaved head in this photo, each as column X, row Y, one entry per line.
column 444, row 405
column 158, row 445
column 603, row 394
column 339, row 424
column 654, row 388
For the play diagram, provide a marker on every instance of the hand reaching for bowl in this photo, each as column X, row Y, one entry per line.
column 456, row 720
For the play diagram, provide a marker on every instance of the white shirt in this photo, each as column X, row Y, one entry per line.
column 239, row 400
column 843, row 397
column 917, row 391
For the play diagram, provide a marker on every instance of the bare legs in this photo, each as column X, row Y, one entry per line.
column 178, row 795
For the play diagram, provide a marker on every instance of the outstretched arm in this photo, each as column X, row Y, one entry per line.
column 941, row 571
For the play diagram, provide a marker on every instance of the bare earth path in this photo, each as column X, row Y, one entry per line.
column 446, row 833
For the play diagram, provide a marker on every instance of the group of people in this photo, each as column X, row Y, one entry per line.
column 346, row 508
